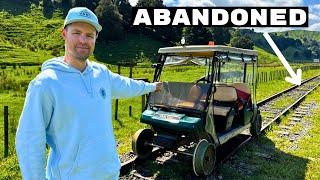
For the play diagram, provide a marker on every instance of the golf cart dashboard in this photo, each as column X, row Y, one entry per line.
column 180, row 96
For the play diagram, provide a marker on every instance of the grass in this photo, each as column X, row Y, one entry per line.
column 265, row 90
column 18, row 79
column 284, row 102
column 266, row 58
column 126, row 126
column 270, row 157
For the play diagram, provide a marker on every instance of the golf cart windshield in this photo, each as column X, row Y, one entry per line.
column 185, row 60
column 184, row 68
column 180, row 95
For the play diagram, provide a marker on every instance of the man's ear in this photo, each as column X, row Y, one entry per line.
column 63, row 33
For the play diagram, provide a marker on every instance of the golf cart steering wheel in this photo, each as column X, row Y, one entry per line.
column 203, row 79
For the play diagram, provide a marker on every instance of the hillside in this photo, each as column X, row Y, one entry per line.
column 266, row 58
column 295, row 50
column 30, row 37
column 301, row 34
column 33, row 35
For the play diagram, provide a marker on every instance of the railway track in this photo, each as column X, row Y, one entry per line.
column 271, row 108
column 274, row 107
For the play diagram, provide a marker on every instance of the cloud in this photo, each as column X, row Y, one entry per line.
column 258, row 2
column 170, row 3
column 314, row 27
column 203, row 3
column 133, row 2
column 315, row 6
column 230, row 3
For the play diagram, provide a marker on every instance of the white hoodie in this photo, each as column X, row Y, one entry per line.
column 71, row 112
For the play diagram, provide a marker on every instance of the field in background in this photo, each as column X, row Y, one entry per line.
column 16, row 79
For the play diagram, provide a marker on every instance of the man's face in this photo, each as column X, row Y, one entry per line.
column 80, row 39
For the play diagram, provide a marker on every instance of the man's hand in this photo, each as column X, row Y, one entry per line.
column 159, row 86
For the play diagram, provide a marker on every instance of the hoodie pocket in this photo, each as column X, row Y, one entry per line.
column 96, row 157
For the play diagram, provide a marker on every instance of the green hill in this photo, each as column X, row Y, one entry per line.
column 301, row 34
column 30, row 37
column 266, row 58
column 293, row 49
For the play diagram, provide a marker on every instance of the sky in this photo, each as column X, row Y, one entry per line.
column 313, row 5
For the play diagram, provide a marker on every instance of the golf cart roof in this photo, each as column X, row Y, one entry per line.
column 206, row 51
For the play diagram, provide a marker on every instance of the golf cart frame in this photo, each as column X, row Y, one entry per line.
column 206, row 113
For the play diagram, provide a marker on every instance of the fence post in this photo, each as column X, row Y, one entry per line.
column 117, row 101
column 130, row 76
column 6, row 134
column 143, row 97
column 130, row 72
column 130, row 111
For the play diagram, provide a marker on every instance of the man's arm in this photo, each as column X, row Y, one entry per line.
column 31, row 134
column 123, row 87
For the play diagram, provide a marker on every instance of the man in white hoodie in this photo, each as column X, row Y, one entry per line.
column 68, row 106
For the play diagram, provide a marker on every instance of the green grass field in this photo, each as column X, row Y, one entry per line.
column 124, row 127
column 272, row 157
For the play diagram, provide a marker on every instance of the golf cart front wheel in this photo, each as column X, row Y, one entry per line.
column 139, row 143
column 204, row 158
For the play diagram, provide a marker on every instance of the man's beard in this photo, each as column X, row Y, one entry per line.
column 83, row 57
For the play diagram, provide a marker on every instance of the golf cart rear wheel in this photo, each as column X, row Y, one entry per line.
column 139, row 146
column 204, row 158
column 256, row 124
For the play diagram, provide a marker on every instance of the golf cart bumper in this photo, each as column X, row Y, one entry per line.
column 171, row 120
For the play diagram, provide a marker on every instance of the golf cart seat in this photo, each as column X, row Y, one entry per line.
column 243, row 94
column 225, row 97
column 243, row 91
column 224, row 108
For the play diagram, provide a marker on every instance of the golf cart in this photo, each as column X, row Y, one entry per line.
column 214, row 103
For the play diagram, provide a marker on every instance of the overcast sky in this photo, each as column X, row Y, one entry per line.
column 314, row 8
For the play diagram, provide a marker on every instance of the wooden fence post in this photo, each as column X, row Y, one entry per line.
column 6, row 134
column 117, row 101
column 143, row 97
column 130, row 72
column 130, row 111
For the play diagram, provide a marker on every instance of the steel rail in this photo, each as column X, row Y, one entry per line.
column 260, row 103
column 292, row 105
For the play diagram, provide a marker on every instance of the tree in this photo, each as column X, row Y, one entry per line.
column 150, row 3
column 220, row 35
column 242, row 42
column 196, row 35
column 48, row 8
column 110, row 19
column 125, row 10
column 66, row 4
column 90, row 4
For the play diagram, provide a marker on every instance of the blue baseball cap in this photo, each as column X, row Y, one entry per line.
column 82, row 14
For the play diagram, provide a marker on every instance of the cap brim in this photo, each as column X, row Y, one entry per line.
column 98, row 27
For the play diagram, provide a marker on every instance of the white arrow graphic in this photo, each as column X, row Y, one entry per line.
column 295, row 78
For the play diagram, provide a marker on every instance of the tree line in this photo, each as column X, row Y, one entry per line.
column 115, row 17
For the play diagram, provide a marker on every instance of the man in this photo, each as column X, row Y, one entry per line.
column 68, row 106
